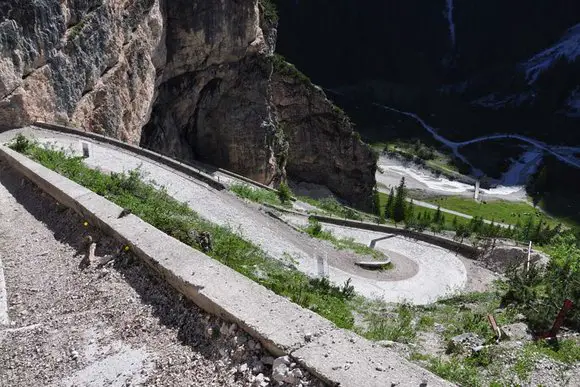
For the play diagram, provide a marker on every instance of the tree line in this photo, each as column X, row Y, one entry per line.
column 399, row 210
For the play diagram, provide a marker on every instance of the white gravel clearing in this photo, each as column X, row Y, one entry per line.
column 442, row 275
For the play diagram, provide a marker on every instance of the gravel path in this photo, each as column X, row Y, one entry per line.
column 439, row 271
column 115, row 325
column 276, row 238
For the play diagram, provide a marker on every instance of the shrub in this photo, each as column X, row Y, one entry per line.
column 20, row 144
column 284, row 193
column 539, row 292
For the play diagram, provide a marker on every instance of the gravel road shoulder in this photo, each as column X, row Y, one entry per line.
column 113, row 325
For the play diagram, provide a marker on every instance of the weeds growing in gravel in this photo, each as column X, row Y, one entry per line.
column 155, row 206
column 456, row 371
column 315, row 230
column 331, row 206
column 259, row 195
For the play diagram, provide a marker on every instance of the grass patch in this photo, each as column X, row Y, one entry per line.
column 399, row 328
column 422, row 154
column 314, row 229
column 455, row 370
column 448, row 224
column 284, row 68
column 157, row 208
column 330, row 206
column 564, row 351
column 498, row 210
column 270, row 10
column 258, row 195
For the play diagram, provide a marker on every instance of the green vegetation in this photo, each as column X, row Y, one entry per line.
column 399, row 205
column 156, row 207
column 539, row 292
column 284, row 193
column 500, row 210
column 422, row 154
column 332, row 207
column 526, row 228
column 282, row 67
column 258, row 195
column 270, row 10
column 457, row 315
column 399, row 329
column 315, row 230
column 456, row 371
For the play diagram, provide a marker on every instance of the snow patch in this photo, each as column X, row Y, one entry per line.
column 426, row 178
column 449, row 14
column 521, row 169
column 573, row 104
column 568, row 47
column 495, row 101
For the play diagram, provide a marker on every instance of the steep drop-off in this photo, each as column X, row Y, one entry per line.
column 190, row 79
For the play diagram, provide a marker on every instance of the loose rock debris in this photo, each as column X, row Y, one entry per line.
column 112, row 322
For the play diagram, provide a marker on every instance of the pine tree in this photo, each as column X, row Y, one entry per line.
column 527, row 232
column 399, row 203
column 410, row 215
column 389, row 205
column 437, row 218
column 376, row 201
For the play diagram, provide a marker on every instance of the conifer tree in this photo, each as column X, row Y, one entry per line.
column 399, row 203
column 389, row 205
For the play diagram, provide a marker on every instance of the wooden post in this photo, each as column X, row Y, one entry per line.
column 529, row 256
column 494, row 326
column 568, row 304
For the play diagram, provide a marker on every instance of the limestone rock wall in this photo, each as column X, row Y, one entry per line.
column 323, row 147
column 214, row 97
column 88, row 62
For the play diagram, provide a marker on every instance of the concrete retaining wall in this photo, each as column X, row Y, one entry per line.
column 449, row 244
column 187, row 168
column 334, row 355
column 461, row 248
column 193, row 169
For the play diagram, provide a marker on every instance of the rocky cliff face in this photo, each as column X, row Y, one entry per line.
column 214, row 96
column 190, row 79
column 323, row 148
column 92, row 63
